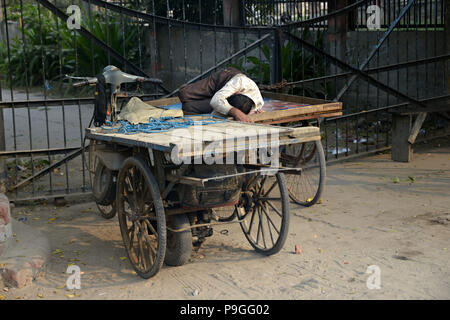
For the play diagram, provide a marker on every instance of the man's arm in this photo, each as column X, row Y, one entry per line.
column 220, row 103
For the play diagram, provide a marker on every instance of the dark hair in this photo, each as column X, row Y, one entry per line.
column 242, row 102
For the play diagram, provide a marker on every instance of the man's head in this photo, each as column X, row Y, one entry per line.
column 241, row 102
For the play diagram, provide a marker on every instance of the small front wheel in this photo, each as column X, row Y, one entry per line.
column 179, row 240
column 305, row 188
column 141, row 217
column 264, row 212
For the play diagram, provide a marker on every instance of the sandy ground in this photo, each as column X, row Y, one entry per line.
column 365, row 219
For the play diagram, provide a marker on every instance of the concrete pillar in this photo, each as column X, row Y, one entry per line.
column 233, row 16
column 5, row 222
column 401, row 128
column 338, row 27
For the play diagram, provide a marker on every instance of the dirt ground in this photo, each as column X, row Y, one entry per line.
column 374, row 212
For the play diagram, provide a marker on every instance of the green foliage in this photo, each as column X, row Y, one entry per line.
column 297, row 64
column 50, row 46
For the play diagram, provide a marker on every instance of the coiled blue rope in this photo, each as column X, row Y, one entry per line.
column 162, row 124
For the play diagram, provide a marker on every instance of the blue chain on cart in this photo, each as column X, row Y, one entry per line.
column 162, row 124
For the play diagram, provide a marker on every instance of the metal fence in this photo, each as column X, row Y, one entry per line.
column 322, row 49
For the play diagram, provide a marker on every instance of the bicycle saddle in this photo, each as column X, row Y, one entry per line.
column 116, row 77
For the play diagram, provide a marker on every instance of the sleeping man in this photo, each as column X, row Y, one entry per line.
column 228, row 92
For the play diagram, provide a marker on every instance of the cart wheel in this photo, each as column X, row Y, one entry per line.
column 179, row 244
column 265, row 213
column 104, row 187
column 96, row 168
column 107, row 212
column 306, row 188
column 141, row 217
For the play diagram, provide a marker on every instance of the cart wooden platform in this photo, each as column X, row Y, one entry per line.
column 163, row 204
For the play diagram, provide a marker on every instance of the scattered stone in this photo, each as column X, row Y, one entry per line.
column 445, row 219
column 400, row 257
column 60, row 201
column 195, row 292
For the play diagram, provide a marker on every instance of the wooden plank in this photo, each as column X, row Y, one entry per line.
column 303, row 117
column 305, row 131
column 288, row 113
column 163, row 102
column 416, row 127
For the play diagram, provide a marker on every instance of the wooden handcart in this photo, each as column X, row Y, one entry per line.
column 164, row 204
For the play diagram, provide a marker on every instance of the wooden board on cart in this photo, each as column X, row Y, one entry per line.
column 234, row 135
column 279, row 108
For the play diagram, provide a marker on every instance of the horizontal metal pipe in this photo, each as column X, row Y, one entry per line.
column 432, row 99
column 374, row 70
column 51, row 151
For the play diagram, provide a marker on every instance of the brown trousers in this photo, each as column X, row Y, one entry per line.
column 196, row 97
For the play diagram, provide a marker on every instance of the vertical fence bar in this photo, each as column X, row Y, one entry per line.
column 25, row 63
column 200, row 36
column 45, row 95
column 92, row 41
column 185, row 41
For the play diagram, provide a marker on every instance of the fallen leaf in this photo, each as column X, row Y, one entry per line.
column 61, row 287
column 40, row 295
column 36, row 218
column 395, row 180
column 52, row 219
column 320, row 250
column 70, row 296
column 57, row 251
column 315, row 236
column 123, row 258
column 2, row 297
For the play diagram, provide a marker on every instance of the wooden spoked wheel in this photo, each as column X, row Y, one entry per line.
column 107, row 207
column 141, row 217
column 264, row 211
column 306, row 187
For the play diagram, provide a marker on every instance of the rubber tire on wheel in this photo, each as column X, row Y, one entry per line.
column 285, row 219
column 160, row 224
column 104, row 186
column 109, row 211
column 179, row 244
column 321, row 183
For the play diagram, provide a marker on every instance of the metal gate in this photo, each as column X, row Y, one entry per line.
column 374, row 56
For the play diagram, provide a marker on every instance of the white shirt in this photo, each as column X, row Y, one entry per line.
column 239, row 84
